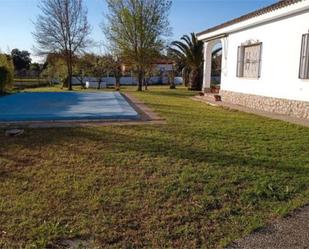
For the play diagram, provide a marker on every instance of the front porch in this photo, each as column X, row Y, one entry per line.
column 215, row 57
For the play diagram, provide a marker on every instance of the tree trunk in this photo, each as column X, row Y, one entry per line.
column 99, row 83
column 140, row 81
column 200, row 79
column 146, row 83
column 117, row 84
column 83, row 85
column 69, row 62
column 172, row 80
column 160, row 78
column 70, row 80
column 70, row 72
column 193, row 80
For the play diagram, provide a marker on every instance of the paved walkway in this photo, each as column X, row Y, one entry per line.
column 286, row 118
column 289, row 233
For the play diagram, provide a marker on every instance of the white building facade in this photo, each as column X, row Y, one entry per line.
column 265, row 58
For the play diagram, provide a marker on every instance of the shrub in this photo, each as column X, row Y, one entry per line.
column 4, row 75
column 6, row 72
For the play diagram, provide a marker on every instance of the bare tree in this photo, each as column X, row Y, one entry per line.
column 137, row 29
column 62, row 27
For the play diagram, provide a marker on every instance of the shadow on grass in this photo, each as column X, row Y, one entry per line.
column 171, row 93
column 162, row 145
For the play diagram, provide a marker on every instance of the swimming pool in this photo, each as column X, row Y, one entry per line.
column 52, row 106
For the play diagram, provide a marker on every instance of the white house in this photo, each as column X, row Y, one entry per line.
column 265, row 58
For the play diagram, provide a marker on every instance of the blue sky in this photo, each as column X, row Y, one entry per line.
column 186, row 16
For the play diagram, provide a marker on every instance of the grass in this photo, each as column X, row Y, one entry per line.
column 205, row 178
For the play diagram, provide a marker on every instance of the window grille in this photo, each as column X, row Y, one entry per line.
column 304, row 58
column 249, row 60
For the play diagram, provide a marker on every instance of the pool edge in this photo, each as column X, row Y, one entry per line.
column 146, row 116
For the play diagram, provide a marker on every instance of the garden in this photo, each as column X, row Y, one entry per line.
column 201, row 177
column 205, row 178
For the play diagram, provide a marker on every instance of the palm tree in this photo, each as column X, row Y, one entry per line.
column 188, row 53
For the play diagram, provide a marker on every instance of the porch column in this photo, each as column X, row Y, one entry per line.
column 224, row 42
column 207, row 66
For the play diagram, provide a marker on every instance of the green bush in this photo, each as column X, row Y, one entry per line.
column 4, row 75
column 6, row 72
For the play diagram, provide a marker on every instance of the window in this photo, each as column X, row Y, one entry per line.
column 249, row 60
column 304, row 58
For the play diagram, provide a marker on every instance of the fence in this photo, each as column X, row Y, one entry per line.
column 110, row 81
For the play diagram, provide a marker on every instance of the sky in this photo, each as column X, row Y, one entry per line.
column 17, row 18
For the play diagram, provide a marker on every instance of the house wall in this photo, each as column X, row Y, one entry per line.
column 280, row 60
column 164, row 67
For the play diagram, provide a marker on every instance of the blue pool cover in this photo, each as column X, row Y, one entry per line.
column 50, row 106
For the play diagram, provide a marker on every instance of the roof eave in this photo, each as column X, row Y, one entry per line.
column 290, row 9
column 269, row 17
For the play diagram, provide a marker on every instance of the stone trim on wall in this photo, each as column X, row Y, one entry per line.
column 295, row 108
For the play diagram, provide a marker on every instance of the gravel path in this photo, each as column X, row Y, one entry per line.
column 291, row 232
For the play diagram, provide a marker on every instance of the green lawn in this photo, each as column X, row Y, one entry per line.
column 205, row 178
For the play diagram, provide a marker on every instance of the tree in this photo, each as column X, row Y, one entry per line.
column 189, row 53
column 85, row 66
column 4, row 75
column 6, row 72
column 99, row 69
column 171, row 79
column 55, row 68
column 62, row 28
column 114, row 65
column 21, row 59
column 149, row 72
column 136, row 30
column 35, row 67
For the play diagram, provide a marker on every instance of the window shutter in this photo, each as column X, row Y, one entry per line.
column 240, row 61
column 259, row 60
column 304, row 58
